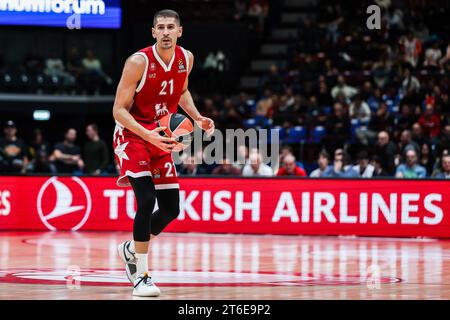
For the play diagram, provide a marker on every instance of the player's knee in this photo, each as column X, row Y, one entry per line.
column 146, row 203
column 171, row 210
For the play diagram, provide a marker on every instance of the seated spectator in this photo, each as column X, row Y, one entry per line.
column 378, row 168
column 430, row 122
column 13, row 152
column 290, row 168
column 417, row 134
column 95, row 75
column 381, row 121
column 67, row 155
column 360, row 110
column 323, row 162
column 75, row 65
column 40, row 152
column 230, row 118
column 411, row 169
column 411, row 48
column 265, row 104
column 340, row 167
column 190, row 167
column 273, row 81
column 342, row 88
column 445, row 171
column 381, row 71
column 406, row 118
column 55, row 68
column 437, row 167
column 256, row 167
column 406, row 141
column 226, row 169
column 386, row 150
column 364, row 168
column 427, row 159
column 95, row 152
column 433, row 56
column 241, row 157
column 410, row 84
column 338, row 127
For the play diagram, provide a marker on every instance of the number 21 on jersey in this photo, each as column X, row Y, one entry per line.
column 163, row 91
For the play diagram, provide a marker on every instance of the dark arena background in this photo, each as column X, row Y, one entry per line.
column 357, row 207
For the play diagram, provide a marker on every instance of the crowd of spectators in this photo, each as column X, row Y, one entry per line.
column 76, row 74
column 64, row 157
column 368, row 103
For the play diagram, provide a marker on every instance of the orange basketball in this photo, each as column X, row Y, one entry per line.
column 179, row 127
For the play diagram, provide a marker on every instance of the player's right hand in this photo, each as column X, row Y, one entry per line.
column 164, row 143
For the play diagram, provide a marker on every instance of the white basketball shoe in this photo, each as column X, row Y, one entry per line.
column 144, row 286
column 129, row 259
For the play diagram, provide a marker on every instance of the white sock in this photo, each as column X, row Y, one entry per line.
column 131, row 247
column 141, row 263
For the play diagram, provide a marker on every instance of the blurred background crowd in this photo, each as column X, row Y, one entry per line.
column 346, row 101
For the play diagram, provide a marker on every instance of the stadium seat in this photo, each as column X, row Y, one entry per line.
column 355, row 124
column 249, row 123
column 281, row 134
column 296, row 135
column 317, row 134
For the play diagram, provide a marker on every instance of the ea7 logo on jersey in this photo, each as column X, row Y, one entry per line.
column 161, row 109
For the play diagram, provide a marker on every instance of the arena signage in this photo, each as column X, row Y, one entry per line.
column 259, row 206
column 61, row 13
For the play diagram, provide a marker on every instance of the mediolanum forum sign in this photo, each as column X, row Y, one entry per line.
column 56, row 13
column 55, row 6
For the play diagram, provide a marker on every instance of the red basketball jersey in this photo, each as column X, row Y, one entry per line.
column 161, row 86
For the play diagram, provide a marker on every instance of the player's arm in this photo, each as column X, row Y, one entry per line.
column 131, row 76
column 187, row 103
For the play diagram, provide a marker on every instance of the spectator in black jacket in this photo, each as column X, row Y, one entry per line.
column 386, row 150
column 95, row 152
column 338, row 127
column 13, row 152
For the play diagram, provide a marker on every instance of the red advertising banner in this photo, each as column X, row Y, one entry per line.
column 407, row 208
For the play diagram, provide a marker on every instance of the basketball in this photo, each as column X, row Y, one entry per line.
column 179, row 127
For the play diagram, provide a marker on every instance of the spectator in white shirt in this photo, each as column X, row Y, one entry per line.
column 55, row 68
column 342, row 88
column 432, row 55
column 323, row 162
column 364, row 168
column 360, row 110
column 256, row 167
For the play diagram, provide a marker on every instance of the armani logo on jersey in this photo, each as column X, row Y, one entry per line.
column 152, row 66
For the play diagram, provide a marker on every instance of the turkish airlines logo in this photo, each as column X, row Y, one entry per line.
column 64, row 204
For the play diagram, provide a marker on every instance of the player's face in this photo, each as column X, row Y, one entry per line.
column 166, row 31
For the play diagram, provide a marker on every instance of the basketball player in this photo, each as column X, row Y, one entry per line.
column 154, row 82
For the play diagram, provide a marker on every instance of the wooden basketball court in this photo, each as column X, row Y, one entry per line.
column 85, row 265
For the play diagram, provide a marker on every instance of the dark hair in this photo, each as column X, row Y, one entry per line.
column 324, row 154
column 362, row 155
column 167, row 13
column 376, row 158
column 94, row 127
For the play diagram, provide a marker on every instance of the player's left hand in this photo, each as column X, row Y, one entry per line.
column 206, row 124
